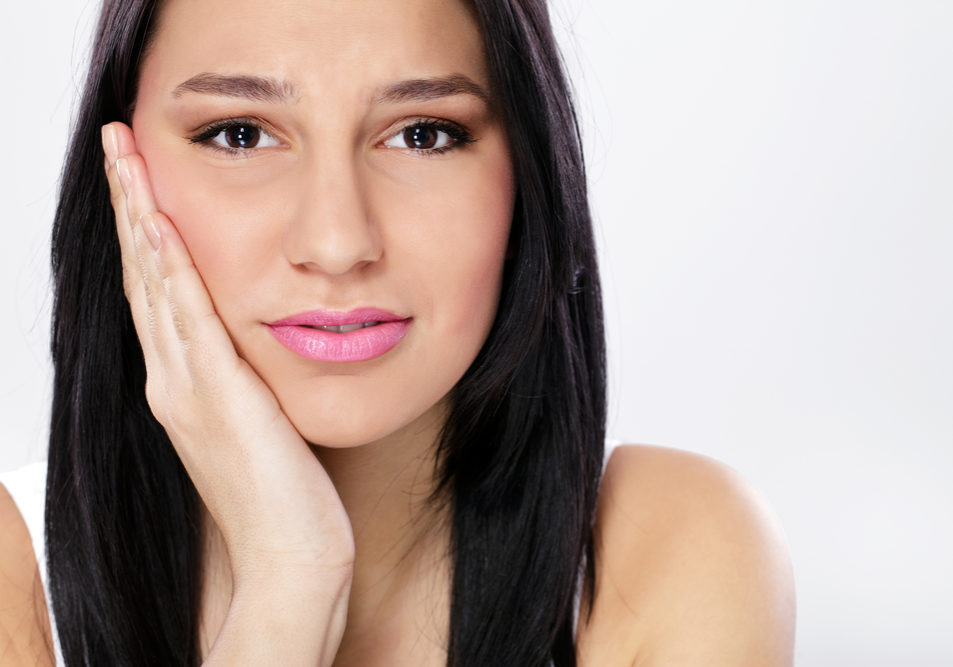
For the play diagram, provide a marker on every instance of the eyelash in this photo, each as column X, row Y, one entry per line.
column 459, row 136
column 212, row 130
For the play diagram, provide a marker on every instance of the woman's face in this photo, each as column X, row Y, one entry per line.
column 355, row 163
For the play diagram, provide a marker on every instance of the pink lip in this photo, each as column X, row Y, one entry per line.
column 296, row 334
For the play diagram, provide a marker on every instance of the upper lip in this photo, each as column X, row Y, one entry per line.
column 332, row 318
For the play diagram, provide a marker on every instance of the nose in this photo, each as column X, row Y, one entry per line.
column 330, row 230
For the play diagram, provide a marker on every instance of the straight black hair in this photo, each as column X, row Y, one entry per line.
column 520, row 456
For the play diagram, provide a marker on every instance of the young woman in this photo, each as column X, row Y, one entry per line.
column 330, row 369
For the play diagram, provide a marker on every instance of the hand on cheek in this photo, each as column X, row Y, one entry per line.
column 226, row 425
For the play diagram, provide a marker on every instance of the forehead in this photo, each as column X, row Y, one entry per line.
column 320, row 45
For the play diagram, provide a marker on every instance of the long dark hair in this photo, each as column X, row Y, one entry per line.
column 520, row 456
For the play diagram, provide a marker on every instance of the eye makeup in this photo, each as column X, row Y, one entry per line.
column 245, row 133
column 244, row 136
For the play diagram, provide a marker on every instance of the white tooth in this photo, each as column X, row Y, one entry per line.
column 345, row 328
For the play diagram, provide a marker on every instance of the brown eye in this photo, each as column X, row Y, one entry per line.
column 429, row 137
column 420, row 136
column 236, row 137
column 242, row 136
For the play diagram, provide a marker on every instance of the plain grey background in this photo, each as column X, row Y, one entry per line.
column 771, row 182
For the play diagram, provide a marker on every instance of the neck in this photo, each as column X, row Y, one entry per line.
column 386, row 488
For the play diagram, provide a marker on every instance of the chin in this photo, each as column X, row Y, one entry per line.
column 341, row 432
column 336, row 426
column 341, row 438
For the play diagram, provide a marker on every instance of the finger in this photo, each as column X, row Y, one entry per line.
column 134, row 178
column 111, row 141
column 117, row 197
column 133, row 284
column 124, row 233
column 179, row 315
column 207, row 349
column 186, row 326
column 118, row 143
column 146, row 241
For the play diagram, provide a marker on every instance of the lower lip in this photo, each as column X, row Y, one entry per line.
column 361, row 345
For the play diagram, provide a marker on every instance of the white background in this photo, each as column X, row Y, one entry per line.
column 772, row 183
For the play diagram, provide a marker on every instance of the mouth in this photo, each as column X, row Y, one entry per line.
column 340, row 337
column 342, row 328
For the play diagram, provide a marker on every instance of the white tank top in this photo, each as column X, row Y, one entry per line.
column 27, row 487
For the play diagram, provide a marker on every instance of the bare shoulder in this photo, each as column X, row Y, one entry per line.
column 691, row 567
column 25, row 637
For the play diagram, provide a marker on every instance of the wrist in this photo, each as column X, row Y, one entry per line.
column 289, row 618
column 292, row 582
column 307, row 567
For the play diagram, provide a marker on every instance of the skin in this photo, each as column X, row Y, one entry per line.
column 329, row 218
column 319, row 547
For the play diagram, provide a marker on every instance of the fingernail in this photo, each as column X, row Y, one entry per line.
column 151, row 230
column 122, row 166
column 110, row 143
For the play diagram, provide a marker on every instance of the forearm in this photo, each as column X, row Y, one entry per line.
column 286, row 622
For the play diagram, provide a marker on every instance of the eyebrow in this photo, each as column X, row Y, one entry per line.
column 269, row 89
column 424, row 90
column 258, row 88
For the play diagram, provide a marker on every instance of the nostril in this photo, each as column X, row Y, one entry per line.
column 331, row 248
column 330, row 227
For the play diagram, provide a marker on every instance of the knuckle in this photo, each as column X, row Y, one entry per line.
column 184, row 323
column 128, row 283
column 166, row 272
column 153, row 289
column 170, row 270
column 152, row 322
column 155, row 397
column 167, row 411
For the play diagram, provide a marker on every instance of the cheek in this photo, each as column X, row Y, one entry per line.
column 484, row 211
column 468, row 271
column 452, row 236
column 218, row 213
